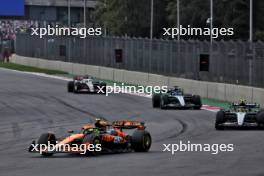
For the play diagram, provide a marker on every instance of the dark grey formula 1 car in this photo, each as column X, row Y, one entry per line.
column 86, row 84
column 175, row 98
column 240, row 115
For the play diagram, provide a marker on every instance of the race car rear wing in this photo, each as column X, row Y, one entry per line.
column 128, row 124
column 79, row 77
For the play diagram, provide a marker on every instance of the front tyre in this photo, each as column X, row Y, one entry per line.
column 260, row 118
column 70, row 86
column 220, row 119
column 46, row 138
column 141, row 141
column 156, row 100
column 196, row 99
column 164, row 99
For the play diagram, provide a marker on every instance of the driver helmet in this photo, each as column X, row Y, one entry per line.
column 242, row 102
column 99, row 123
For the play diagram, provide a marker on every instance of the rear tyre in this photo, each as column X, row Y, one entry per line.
column 260, row 118
column 92, row 139
column 70, row 86
column 197, row 102
column 220, row 119
column 141, row 141
column 46, row 138
column 156, row 100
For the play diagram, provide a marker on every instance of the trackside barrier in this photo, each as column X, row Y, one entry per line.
column 218, row 91
column 137, row 78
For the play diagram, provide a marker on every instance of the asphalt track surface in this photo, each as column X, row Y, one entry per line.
column 30, row 105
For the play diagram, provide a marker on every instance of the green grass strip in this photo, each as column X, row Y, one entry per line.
column 216, row 103
column 24, row 68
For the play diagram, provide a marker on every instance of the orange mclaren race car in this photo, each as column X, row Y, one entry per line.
column 93, row 139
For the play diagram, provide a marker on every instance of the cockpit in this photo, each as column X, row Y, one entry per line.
column 176, row 91
column 244, row 107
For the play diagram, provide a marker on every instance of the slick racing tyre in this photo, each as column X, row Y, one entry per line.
column 156, row 100
column 220, row 119
column 92, row 139
column 70, row 86
column 141, row 141
column 196, row 99
column 260, row 118
column 75, row 88
column 163, row 101
column 44, row 139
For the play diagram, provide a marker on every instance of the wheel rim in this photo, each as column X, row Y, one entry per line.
column 161, row 103
column 147, row 141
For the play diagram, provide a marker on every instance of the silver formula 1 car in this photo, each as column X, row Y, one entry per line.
column 240, row 115
column 86, row 84
column 175, row 98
